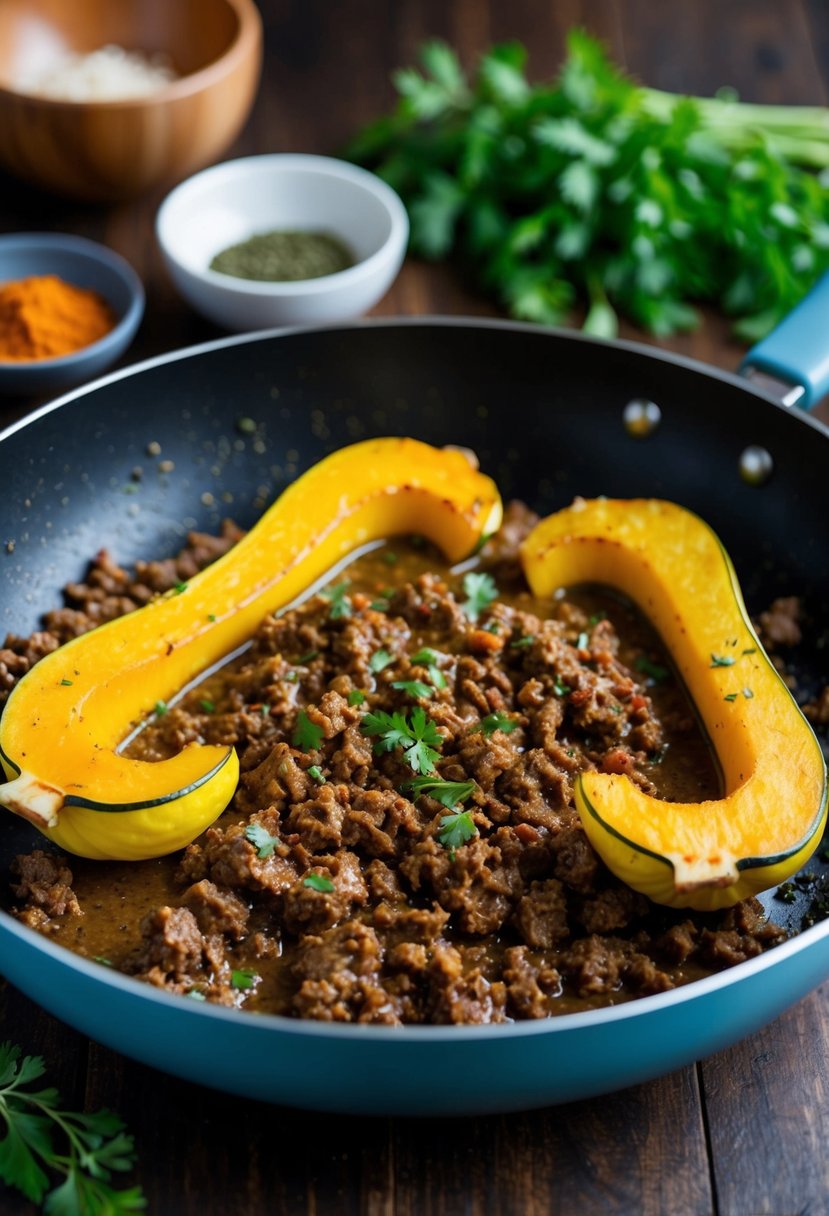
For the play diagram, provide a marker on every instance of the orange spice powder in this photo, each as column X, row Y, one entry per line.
column 42, row 317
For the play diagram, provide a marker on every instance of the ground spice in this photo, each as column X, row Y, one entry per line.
column 284, row 256
column 42, row 317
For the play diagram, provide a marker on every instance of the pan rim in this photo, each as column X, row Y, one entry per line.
column 421, row 321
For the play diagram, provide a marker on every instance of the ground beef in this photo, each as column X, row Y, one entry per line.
column 343, row 883
column 779, row 626
column 44, row 881
column 216, row 911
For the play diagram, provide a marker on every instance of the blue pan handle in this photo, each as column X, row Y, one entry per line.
column 795, row 355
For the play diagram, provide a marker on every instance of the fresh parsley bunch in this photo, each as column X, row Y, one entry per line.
column 84, row 1150
column 594, row 193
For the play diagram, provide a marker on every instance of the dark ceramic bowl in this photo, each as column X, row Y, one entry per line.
column 85, row 264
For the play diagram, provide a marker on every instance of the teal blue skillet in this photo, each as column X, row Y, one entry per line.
column 548, row 413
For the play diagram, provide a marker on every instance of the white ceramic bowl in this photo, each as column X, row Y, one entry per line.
column 232, row 201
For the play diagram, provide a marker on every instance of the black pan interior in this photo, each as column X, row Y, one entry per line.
column 136, row 462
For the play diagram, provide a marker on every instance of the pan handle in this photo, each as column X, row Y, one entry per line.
column 793, row 360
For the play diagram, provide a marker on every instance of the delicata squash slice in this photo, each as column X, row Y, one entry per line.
column 711, row 854
column 63, row 723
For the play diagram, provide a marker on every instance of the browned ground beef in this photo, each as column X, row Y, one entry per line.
column 332, row 889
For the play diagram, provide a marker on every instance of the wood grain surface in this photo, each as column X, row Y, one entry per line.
column 744, row 1133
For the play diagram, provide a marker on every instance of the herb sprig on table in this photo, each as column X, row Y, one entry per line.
column 84, row 1150
column 594, row 194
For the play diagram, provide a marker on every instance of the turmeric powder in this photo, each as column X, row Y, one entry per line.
column 42, row 317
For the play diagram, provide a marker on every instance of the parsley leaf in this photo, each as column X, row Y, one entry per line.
column 456, row 829
column 449, row 793
column 85, row 1149
column 318, row 882
column 480, row 591
column 380, row 660
column 429, row 659
column 261, row 839
column 496, row 721
column 416, row 734
column 307, row 735
column 356, row 696
column 243, row 979
column 414, row 688
column 339, row 600
column 722, row 660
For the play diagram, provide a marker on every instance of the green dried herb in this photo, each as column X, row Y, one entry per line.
column 284, row 256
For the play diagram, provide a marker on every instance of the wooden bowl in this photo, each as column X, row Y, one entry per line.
column 106, row 150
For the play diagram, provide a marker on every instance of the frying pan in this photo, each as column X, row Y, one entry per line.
column 545, row 411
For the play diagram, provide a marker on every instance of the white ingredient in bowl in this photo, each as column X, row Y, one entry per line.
column 109, row 74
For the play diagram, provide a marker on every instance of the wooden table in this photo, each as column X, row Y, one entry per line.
column 740, row 1134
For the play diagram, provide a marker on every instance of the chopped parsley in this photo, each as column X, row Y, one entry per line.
column 380, row 660
column 243, row 979
column 456, row 829
column 306, row 658
column 448, row 793
column 654, row 671
column 160, row 709
column 480, row 591
column 307, row 735
column 318, row 882
column 207, row 706
column 522, row 642
column 732, row 696
column 429, row 659
column 180, row 588
column 561, row 689
column 389, row 558
column 722, row 660
column 261, row 839
column 356, row 696
column 496, row 721
column 67, row 683
column 316, row 772
column 416, row 734
column 339, row 600
column 414, row 688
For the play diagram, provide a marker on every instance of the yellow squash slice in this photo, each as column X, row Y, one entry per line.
column 63, row 723
column 769, row 821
